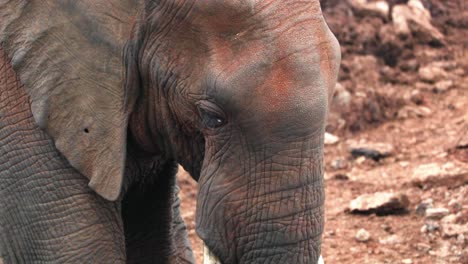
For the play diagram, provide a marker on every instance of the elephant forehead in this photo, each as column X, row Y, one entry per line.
column 234, row 16
column 273, row 71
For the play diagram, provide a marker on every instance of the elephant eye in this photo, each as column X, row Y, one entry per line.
column 211, row 120
column 211, row 115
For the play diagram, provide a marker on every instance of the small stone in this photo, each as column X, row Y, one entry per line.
column 331, row 139
column 423, row 86
column 378, row 8
column 449, row 219
column 435, row 174
column 362, row 235
column 442, row 86
column 391, row 240
column 423, row 206
column 461, row 239
column 436, row 213
column 455, row 205
column 341, row 177
column 387, row 228
column 407, row 261
column 430, row 227
column 414, row 19
column 416, row 97
column 375, row 151
column 410, row 111
column 381, row 203
column 423, row 247
column 432, row 74
column 360, row 160
column 341, row 97
column 453, row 230
column 339, row 164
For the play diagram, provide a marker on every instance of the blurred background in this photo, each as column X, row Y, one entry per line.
column 397, row 136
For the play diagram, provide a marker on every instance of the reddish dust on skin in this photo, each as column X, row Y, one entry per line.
column 277, row 86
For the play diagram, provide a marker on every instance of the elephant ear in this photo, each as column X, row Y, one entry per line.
column 68, row 55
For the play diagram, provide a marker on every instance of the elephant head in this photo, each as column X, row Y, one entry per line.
column 235, row 91
column 239, row 94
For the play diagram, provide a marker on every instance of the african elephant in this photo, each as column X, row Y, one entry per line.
column 113, row 94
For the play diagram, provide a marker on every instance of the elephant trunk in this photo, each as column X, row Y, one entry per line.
column 272, row 214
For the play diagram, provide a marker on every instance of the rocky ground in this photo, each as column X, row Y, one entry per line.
column 397, row 141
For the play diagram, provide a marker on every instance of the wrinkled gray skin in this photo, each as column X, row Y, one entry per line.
column 113, row 94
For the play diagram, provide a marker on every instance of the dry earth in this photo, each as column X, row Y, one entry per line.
column 408, row 94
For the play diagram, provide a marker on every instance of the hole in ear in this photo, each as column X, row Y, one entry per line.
column 86, row 130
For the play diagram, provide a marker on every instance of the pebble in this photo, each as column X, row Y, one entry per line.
column 453, row 230
column 339, row 164
column 407, row 261
column 430, row 227
column 362, row 235
column 434, row 174
column 375, row 151
column 455, row 205
column 449, row 219
column 341, row 177
column 436, row 213
column 341, row 98
column 380, row 203
column 423, row 247
column 423, row 206
column 432, row 74
column 442, row 86
column 331, row 139
column 391, row 240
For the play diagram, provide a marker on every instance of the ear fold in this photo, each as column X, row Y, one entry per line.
column 68, row 55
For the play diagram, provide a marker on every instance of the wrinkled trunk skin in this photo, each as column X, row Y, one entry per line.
column 48, row 214
column 271, row 212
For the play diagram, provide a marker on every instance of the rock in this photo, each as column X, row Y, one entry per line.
column 460, row 239
column 423, row 206
column 453, row 230
column 330, row 139
column 455, row 205
column 339, row 164
column 370, row 8
column 432, row 73
column 341, row 98
column 435, row 174
column 436, row 213
column 387, row 228
column 413, row 19
column 362, row 235
column 423, row 247
column 430, row 227
column 442, row 86
column 381, row 203
column 407, row 261
column 449, row 219
column 409, row 111
column 391, row 240
column 416, row 97
column 375, row 151
column 341, row 177
column 462, row 143
column 424, row 86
